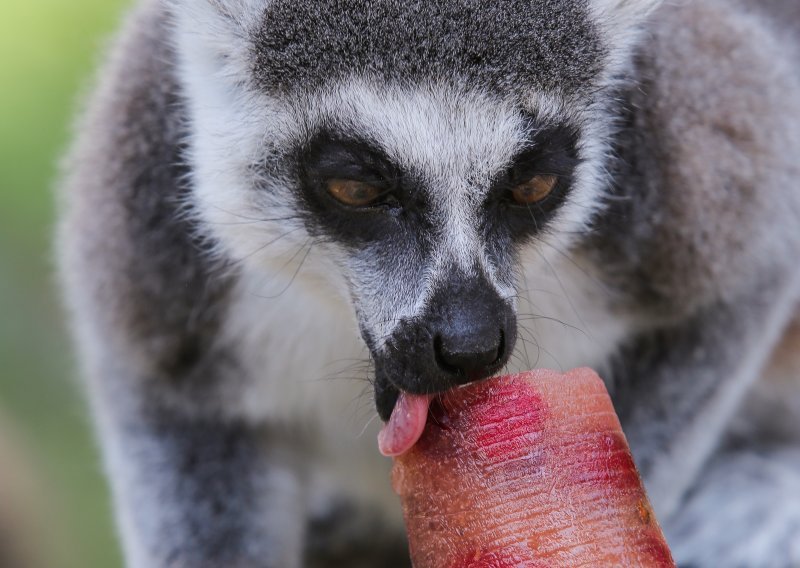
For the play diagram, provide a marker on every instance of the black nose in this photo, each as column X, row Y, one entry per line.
column 469, row 325
column 466, row 333
column 469, row 355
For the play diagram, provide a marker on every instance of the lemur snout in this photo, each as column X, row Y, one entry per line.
column 467, row 333
column 472, row 329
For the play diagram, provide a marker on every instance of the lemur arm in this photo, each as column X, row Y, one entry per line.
column 677, row 389
column 202, row 493
column 701, row 234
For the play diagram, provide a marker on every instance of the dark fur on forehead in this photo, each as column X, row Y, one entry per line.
column 500, row 45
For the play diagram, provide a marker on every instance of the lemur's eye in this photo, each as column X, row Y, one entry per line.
column 354, row 193
column 534, row 190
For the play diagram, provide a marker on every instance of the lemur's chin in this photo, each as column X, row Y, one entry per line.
column 405, row 415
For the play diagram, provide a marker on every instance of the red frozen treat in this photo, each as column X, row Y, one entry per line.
column 530, row 470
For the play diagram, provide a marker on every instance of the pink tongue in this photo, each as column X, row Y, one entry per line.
column 406, row 424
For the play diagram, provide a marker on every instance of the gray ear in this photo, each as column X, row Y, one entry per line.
column 621, row 17
column 235, row 10
column 626, row 9
column 219, row 18
column 219, row 29
column 621, row 22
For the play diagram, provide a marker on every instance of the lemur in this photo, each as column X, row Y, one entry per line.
column 280, row 215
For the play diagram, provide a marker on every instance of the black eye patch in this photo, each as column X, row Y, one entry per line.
column 549, row 151
column 397, row 215
column 552, row 151
column 326, row 157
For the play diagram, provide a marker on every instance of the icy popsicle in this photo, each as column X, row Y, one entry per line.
column 527, row 471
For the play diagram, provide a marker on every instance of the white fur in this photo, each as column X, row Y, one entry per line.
column 565, row 318
column 319, row 381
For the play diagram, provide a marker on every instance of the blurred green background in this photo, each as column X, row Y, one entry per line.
column 48, row 49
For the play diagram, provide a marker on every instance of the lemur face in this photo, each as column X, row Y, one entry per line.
column 414, row 174
column 427, row 197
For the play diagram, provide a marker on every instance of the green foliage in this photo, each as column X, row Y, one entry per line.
column 48, row 49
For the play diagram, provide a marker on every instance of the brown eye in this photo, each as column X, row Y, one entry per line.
column 354, row 193
column 534, row 190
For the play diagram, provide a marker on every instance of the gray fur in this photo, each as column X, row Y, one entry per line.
column 759, row 531
column 214, row 482
column 209, row 298
column 158, row 257
column 489, row 45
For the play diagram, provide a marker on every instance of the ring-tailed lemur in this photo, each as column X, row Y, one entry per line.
column 266, row 191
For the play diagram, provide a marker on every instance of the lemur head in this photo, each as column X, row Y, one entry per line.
column 418, row 148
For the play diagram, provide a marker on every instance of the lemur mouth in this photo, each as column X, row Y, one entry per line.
column 405, row 416
column 404, row 403
column 405, row 424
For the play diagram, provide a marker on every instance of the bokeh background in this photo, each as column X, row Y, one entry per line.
column 50, row 471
